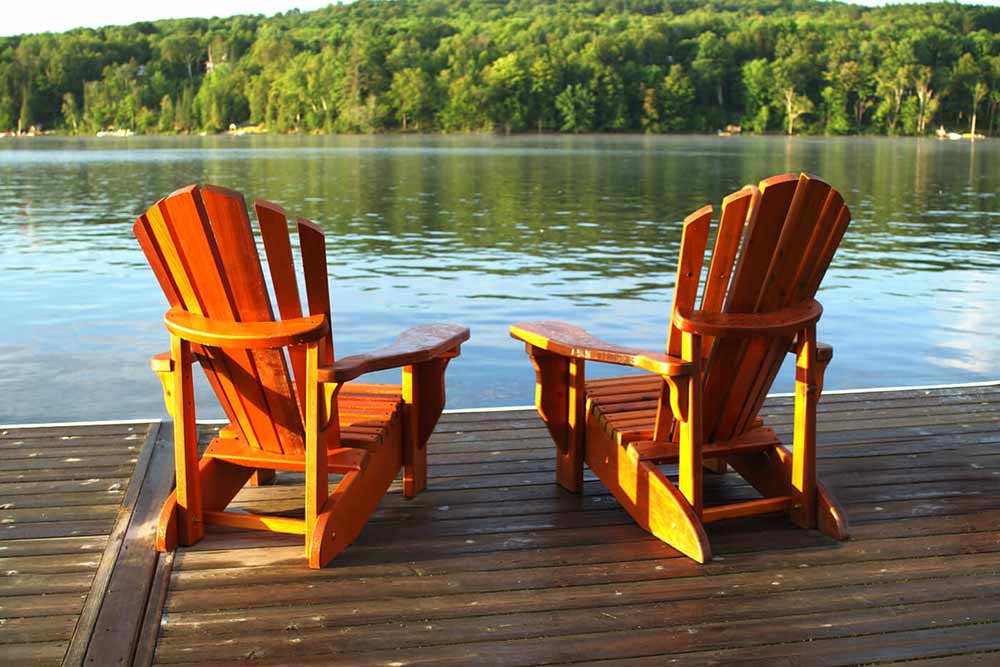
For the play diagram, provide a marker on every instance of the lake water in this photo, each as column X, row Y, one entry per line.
column 486, row 231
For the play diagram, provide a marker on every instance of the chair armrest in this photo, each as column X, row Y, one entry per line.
column 824, row 351
column 161, row 363
column 245, row 335
column 413, row 346
column 784, row 322
column 575, row 343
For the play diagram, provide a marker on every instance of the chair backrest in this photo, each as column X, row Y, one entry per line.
column 772, row 248
column 200, row 245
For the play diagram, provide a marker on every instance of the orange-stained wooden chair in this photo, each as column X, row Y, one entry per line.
column 311, row 418
column 699, row 407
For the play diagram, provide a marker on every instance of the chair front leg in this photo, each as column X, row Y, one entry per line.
column 190, row 527
column 423, row 398
column 807, row 390
column 685, row 401
column 560, row 396
column 317, row 481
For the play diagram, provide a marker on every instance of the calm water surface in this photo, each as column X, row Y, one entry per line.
column 486, row 231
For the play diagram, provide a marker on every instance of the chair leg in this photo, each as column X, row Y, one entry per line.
column 831, row 517
column 189, row 526
column 685, row 396
column 561, row 402
column 804, row 439
column 414, row 453
column 424, row 397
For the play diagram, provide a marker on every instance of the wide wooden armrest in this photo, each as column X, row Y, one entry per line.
column 413, row 346
column 575, row 343
column 784, row 322
column 246, row 335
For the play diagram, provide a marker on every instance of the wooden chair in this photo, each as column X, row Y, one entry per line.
column 699, row 408
column 200, row 245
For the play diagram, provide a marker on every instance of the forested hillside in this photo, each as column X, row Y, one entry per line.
column 524, row 65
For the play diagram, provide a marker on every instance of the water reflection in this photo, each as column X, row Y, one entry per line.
column 486, row 231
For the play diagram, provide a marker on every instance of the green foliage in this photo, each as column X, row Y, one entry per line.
column 678, row 97
column 576, row 108
column 412, row 96
column 70, row 112
column 757, row 85
column 521, row 65
column 24, row 118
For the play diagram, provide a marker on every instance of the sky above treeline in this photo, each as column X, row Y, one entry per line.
column 62, row 15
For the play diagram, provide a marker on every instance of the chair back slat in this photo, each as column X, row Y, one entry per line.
column 736, row 209
column 281, row 265
column 242, row 272
column 829, row 250
column 694, row 239
column 314, row 270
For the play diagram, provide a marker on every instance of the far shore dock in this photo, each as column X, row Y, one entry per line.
column 496, row 565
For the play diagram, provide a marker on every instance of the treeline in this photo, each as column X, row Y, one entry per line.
column 523, row 65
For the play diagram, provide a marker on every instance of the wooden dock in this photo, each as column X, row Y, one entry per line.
column 495, row 565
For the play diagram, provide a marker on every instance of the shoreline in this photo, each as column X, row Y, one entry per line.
column 951, row 136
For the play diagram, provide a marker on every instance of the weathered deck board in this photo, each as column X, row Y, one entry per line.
column 65, row 499
column 495, row 565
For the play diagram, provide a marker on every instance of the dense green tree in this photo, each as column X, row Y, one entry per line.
column 567, row 65
column 507, row 92
column 24, row 117
column 677, row 94
column 411, row 95
column 969, row 78
column 220, row 98
column 576, row 108
column 794, row 68
column 165, row 121
column 181, row 48
column 70, row 112
column 6, row 112
column 757, row 84
column 927, row 102
column 710, row 64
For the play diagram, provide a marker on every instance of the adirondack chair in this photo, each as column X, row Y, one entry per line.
column 200, row 246
column 699, row 407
